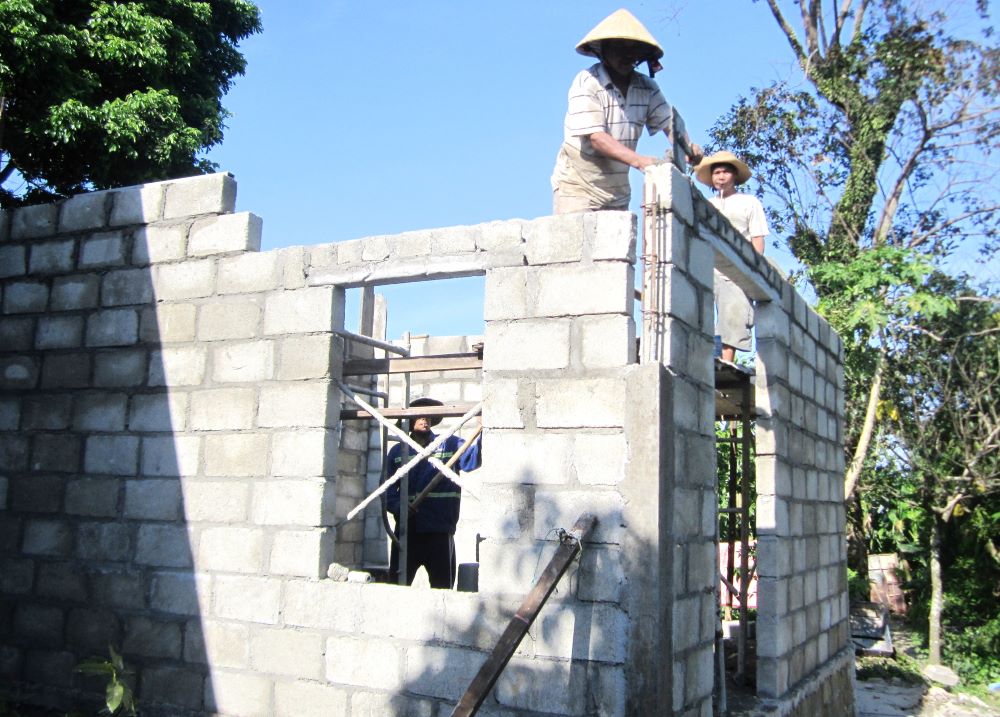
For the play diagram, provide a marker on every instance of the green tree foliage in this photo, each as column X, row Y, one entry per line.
column 97, row 94
column 878, row 163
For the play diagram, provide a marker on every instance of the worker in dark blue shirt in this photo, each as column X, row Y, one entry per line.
column 431, row 527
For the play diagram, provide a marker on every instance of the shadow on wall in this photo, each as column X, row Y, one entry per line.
column 572, row 660
column 97, row 454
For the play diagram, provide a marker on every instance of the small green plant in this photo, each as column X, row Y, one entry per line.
column 858, row 586
column 118, row 696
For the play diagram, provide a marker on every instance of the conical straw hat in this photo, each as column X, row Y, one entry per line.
column 703, row 172
column 619, row 25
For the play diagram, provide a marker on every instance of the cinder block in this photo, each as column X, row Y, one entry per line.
column 120, row 368
column 295, row 653
column 33, row 222
column 165, row 546
column 231, row 549
column 501, row 407
column 208, row 194
column 225, row 234
column 302, row 311
column 116, row 589
column 225, row 409
column 152, row 638
column 227, row 644
column 17, row 334
column 228, row 320
column 179, row 593
column 160, row 243
column 600, row 459
column 216, row 501
column 152, row 499
column 560, row 633
column 59, row 332
column 250, row 599
column 50, row 412
column 304, row 453
column 168, row 323
column 509, row 293
column 606, row 341
column 519, row 687
column 20, row 372
column 611, row 235
column 554, row 239
column 583, row 402
column 28, row 296
column 601, row 576
column 539, row 459
column 180, row 366
column 158, row 412
column 324, row 604
column 605, row 288
column 701, row 261
column 288, row 502
column 561, row 508
column 137, row 205
column 103, row 541
column 113, row 327
column 236, row 454
column 75, row 292
column 97, row 497
column 303, row 357
column 55, row 452
column 36, row 493
column 524, row 345
column 14, row 453
column 298, row 553
column 177, row 687
column 13, row 261
column 47, row 537
column 10, row 413
column 53, row 257
column 307, row 404
column 83, row 211
column 241, row 362
column 126, row 286
column 369, row 663
column 247, row 695
column 100, row 250
column 249, row 273
column 112, row 455
column 170, row 455
column 309, row 699
column 186, row 280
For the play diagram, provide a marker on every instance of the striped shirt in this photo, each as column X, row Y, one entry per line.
column 596, row 105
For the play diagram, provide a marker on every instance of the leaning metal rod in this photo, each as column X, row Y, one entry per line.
column 422, row 452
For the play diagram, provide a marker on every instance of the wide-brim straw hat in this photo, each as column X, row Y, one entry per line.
column 703, row 172
column 427, row 401
column 619, row 25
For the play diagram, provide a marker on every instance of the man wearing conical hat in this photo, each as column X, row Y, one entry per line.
column 723, row 172
column 609, row 104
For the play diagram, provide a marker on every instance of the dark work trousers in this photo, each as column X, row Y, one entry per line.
column 434, row 551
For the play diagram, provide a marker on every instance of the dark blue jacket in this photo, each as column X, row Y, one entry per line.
column 439, row 511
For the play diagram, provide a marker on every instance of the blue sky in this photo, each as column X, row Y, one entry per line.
column 360, row 119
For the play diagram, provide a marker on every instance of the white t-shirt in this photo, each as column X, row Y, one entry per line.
column 745, row 213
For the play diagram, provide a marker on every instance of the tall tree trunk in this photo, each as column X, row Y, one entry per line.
column 937, row 592
column 867, row 430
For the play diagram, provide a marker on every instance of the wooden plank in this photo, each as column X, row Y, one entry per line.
column 517, row 628
column 415, row 364
column 449, row 411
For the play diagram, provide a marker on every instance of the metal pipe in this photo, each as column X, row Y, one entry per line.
column 369, row 341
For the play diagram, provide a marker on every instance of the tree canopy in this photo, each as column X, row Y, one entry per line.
column 97, row 94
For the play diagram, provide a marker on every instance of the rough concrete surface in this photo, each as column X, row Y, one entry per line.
column 894, row 698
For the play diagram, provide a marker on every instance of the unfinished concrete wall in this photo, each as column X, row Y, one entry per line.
column 173, row 465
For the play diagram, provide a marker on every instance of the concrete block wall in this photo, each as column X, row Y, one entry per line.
column 172, row 464
column 166, row 432
column 802, row 619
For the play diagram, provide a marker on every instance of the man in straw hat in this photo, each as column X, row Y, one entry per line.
column 609, row 104
column 431, row 538
column 723, row 172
